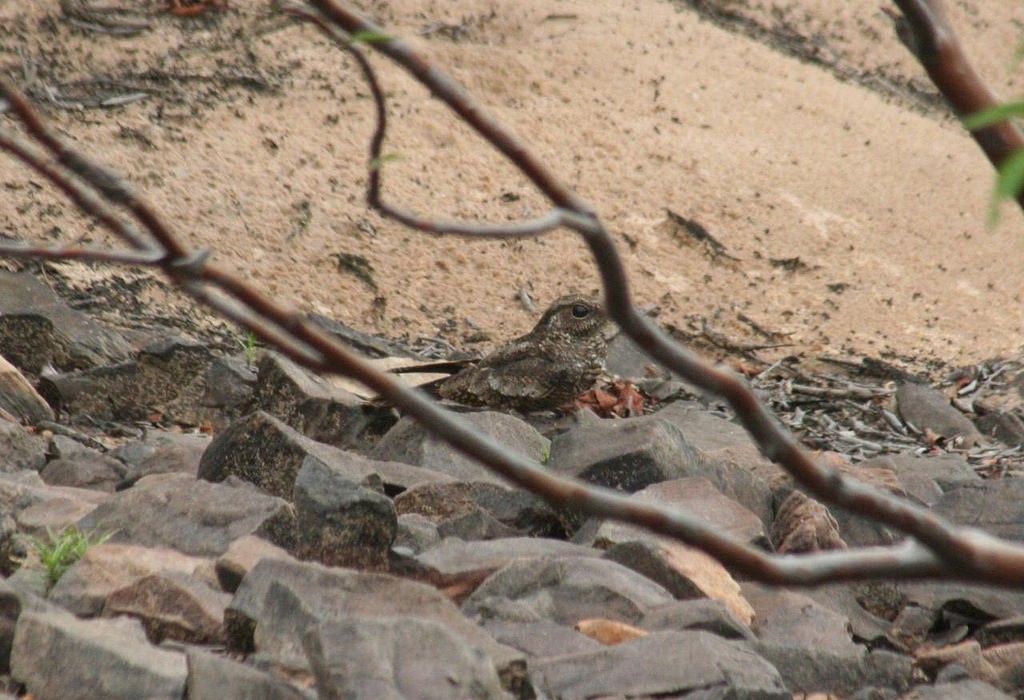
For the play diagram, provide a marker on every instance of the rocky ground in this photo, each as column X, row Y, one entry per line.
column 253, row 531
column 258, row 532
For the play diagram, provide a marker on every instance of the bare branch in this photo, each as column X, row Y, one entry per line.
column 774, row 441
column 925, row 29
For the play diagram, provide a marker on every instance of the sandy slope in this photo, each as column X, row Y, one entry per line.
column 641, row 105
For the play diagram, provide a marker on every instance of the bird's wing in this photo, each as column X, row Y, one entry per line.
column 513, row 370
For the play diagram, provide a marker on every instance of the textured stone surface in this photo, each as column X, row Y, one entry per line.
column 38, row 329
column 697, row 497
column 449, row 505
column 396, row 658
column 105, row 568
column 87, row 470
column 165, row 380
column 927, row 478
column 219, row 678
column 701, row 614
column 929, row 409
column 172, row 605
column 309, row 403
column 266, row 452
column 339, row 522
column 654, row 666
column 190, row 515
column 98, row 659
column 241, row 556
column 278, row 601
column 409, row 442
column 626, row 455
column 996, row 506
column 459, row 567
column 809, row 669
column 565, row 591
column 19, row 449
column 683, row 571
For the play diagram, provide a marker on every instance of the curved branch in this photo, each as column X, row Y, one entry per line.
column 925, row 29
column 774, row 441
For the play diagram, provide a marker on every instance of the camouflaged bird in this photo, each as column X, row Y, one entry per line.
column 546, row 368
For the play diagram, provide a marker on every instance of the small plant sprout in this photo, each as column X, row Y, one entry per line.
column 250, row 346
column 58, row 551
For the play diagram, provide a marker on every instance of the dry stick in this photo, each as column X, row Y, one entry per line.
column 924, row 28
column 991, row 559
column 947, row 542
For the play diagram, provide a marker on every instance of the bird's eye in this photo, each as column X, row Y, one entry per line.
column 580, row 311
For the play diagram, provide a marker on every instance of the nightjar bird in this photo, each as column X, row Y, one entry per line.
column 547, row 368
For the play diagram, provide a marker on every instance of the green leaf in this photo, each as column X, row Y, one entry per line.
column 993, row 115
column 368, row 37
column 378, row 163
column 1009, row 183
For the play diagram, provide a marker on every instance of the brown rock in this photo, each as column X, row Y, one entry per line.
column 804, row 525
column 172, row 605
column 105, row 568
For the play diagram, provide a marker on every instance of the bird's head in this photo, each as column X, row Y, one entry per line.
column 576, row 315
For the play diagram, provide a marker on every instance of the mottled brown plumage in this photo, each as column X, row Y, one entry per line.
column 546, row 368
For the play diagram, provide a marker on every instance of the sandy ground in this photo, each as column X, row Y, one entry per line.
column 799, row 134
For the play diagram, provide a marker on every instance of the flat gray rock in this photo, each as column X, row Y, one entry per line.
column 541, row 639
column 217, row 677
column 565, row 590
column 409, row 442
column 789, row 617
column 34, row 505
column 161, row 452
column 397, row 658
column 928, row 478
column 700, row 614
column 19, row 449
column 669, row 664
column 696, row 496
column 98, row 659
column 995, row 505
column 278, row 601
column 703, row 430
column 975, row 690
column 455, row 562
column 633, row 453
column 243, row 554
column 190, row 515
column 812, row 669
column 92, row 470
column 265, row 451
column 626, row 455
column 929, row 409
